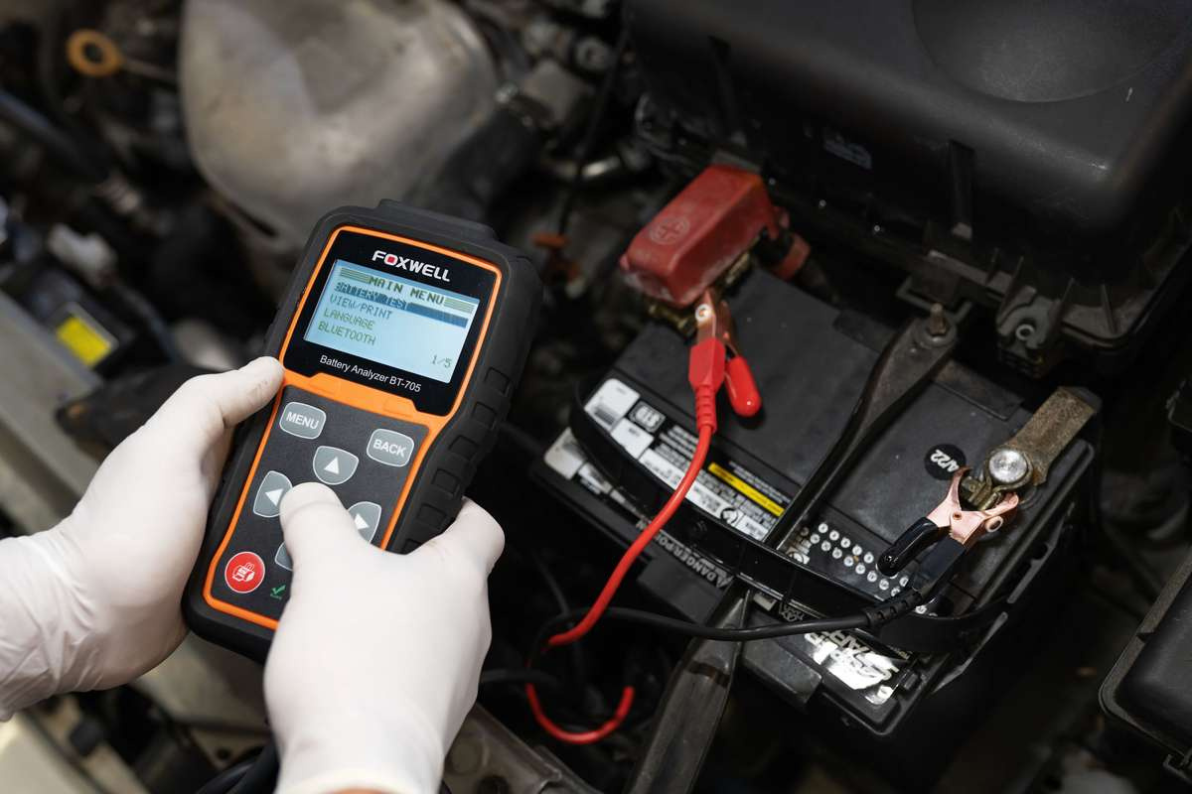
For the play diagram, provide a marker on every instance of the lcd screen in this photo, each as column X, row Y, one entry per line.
column 401, row 323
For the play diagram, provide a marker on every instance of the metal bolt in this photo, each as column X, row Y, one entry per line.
column 467, row 755
column 1007, row 466
column 1025, row 331
column 937, row 325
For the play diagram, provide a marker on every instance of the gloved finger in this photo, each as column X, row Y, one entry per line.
column 206, row 406
column 315, row 524
column 474, row 537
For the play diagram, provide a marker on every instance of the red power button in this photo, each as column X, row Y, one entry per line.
column 245, row 572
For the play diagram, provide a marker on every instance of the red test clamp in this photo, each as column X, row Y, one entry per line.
column 714, row 324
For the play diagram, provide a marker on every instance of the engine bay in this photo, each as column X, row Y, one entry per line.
column 941, row 250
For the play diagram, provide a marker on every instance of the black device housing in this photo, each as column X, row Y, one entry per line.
column 448, row 467
column 810, row 363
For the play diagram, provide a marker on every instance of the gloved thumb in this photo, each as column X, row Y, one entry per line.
column 206, row 406
column 316, row 526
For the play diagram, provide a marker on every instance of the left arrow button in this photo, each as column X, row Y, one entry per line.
column 270, row 492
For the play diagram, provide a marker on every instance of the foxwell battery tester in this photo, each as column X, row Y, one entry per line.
column 402, row 336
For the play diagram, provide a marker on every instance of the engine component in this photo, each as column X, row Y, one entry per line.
column 486, row 163
column 80, row 324
column 1150, row 686
column 103, row 418
column 1014, row 155
column 487, row 757
column 33, row 764
column 295, row 109
column 42, row 471
column 97, row 56
column 695, row 700
column 545, row 37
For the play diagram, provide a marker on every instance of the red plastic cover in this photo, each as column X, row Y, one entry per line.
column 700, row 234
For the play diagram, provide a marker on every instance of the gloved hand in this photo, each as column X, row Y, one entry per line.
column 95, row 601
column 377, row 657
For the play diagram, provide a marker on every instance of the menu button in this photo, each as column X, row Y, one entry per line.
column 303, row 420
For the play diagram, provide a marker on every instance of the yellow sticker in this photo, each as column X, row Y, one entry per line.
column 746, row 489
column 84, row 338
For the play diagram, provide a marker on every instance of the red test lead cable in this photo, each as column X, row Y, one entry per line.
column 706, row 372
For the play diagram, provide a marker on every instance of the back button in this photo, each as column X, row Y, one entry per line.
column 390, row 447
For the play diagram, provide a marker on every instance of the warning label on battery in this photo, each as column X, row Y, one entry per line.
column 725, row 490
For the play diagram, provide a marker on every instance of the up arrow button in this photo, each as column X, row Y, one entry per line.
column 333, row 465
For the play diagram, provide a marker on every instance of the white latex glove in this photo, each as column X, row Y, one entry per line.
column 377, row 657
column 95, row 601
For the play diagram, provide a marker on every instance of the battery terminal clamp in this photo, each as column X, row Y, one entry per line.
column 716, row 341
column 948, row 532
column 1019, row 465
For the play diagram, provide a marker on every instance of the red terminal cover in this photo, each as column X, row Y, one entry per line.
column 699, row 234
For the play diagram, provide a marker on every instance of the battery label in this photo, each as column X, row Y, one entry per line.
column 611, row 402
column 567, row 459
column 874, row 676
column 725, row 490
column 702, row 565
column 853, row 663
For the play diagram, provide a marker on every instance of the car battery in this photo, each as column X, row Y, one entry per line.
column 631, row 437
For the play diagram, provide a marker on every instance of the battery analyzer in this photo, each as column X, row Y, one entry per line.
column 402, row 336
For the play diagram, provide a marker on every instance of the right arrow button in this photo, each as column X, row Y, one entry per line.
column 366, row 519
